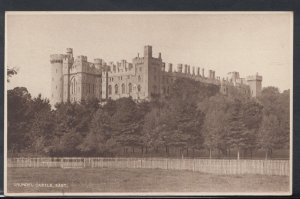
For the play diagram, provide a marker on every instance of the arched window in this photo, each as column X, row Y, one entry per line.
column 116, row 89
column 123, row 88
column 109, row 89
column 139, row 78
column 139, row 88
column 130, row 87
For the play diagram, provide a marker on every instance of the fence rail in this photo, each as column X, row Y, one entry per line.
column 216, row 166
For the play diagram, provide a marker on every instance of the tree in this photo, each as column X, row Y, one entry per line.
column 216, row 109
column 277, row 104
column 100, row 132
column 237, row 133
column 268, row 133
column 252, row 117
column 10, row 73
column 18, row 119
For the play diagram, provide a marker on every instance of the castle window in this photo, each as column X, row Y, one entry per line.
column 130, row 87
column 139, row 88
column 140, row 69
column 109, row 89
column 139, row 78
column 123, row 88
column 116, row 89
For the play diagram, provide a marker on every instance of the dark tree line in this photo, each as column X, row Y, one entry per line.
column 194, row 117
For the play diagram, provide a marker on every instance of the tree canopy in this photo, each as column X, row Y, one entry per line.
column 194, row 117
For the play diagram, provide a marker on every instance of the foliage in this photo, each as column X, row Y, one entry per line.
column 195, row 116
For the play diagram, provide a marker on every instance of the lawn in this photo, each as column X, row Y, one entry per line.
column 137, row 180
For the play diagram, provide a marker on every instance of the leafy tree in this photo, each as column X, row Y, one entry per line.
column 238, row 135
column 18, row 119
column 10, row 73
column 268, row 133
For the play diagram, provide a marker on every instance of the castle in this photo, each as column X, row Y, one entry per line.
column 76, row 79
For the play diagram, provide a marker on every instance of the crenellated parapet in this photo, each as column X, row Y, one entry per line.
column 76, row 78
column 57, row 58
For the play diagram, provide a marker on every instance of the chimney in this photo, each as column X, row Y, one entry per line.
column 185, row 68
column 179, row 68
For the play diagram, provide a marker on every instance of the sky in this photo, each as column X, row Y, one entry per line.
column 244, row 42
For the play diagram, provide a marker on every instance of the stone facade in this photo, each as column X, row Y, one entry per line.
column 76, row 79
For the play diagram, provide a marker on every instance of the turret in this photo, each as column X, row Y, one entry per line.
column 255, row 85
column 179, row 68
column 98, row 63
column 148, row 51
column 163, row 68
column 56, row 61
column 185, row 68
column 198, row 71
column 69, row 52
column 159, row 56
column 170, row 68
column 203, row 72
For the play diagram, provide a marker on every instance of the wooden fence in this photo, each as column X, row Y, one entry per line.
column 216, row 166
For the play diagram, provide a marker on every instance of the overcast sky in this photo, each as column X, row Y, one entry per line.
column 223, row 42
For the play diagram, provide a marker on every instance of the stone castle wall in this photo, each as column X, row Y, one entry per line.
column 76, row 79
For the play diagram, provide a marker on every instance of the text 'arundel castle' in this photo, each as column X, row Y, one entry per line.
column 76, row 79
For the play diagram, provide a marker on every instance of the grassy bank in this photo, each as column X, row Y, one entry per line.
column 137, row 180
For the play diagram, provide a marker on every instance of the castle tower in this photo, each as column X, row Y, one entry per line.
column 147, row 64
column 148, row 51
column 255, row 85
column 98, row 63
column 67, row 64
column 56, row 61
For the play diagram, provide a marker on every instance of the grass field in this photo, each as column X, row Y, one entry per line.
column 137, row 180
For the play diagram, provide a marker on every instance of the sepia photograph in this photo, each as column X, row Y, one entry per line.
column 148, row 103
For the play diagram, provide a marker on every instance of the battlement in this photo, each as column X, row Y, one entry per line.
column 254, row 77
column 98, row 61
column 69, row 50
column 56, row 58
column 81, row 58
column 139, row 79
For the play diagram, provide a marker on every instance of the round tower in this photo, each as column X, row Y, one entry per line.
column 56, row 61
